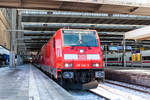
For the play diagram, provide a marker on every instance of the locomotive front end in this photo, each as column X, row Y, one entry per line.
column 82, row 56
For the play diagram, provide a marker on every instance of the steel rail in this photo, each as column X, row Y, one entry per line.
column 139, row 90
column 99, row 95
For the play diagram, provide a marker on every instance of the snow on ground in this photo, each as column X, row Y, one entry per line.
column 131, row 85
column 139, row 71
column 145, row 96
column 113, row 91
column 105, row 93
column 84, row 95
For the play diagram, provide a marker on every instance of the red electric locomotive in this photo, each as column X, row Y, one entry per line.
column 73, row 55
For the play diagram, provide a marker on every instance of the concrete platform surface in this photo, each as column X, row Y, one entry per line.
column 139, row 76
column 26, row 82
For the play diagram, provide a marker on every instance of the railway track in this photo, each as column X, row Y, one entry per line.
column 129, row 87
column 84, row 95
column 98, row 94
column 81, row 95
column 104, row 92
column 113, row 93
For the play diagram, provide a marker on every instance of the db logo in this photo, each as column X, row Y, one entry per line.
column 83, row 57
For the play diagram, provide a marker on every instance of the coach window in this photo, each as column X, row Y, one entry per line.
column 146, row 57
column 54, row 43
column 112, row 59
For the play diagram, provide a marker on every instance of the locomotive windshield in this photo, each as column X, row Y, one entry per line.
column 80, row 38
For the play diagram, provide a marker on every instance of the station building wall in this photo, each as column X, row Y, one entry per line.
column 4, row 26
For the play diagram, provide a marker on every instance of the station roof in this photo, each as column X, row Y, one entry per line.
column 139, row 34
column 40, row 25
column 138, row 7
column 52, row 16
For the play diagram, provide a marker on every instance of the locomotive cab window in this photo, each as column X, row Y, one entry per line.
column 80, row 38
column 53, row 42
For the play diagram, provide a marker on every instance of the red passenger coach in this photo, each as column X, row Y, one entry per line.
column 73, row 55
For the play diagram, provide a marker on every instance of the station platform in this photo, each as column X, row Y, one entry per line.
column 133, row 75
column 26, row 82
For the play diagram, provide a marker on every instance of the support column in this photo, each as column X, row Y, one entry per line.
column 13, row 39
column 19, row 36
column 124, row 51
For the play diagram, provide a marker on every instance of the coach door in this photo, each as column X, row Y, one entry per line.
column 136, row 59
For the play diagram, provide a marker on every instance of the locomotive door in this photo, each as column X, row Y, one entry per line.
column 58, row 50
column 52, row 53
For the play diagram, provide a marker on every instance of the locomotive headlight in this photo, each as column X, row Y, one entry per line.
column 68, row 65
column 95, row 65
column 81, row 51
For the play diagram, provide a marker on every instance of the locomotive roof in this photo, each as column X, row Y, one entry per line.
column 80, row 29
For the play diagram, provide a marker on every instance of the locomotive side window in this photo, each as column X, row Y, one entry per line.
column 54, row 43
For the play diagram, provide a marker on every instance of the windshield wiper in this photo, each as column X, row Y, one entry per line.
column 80, row 38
